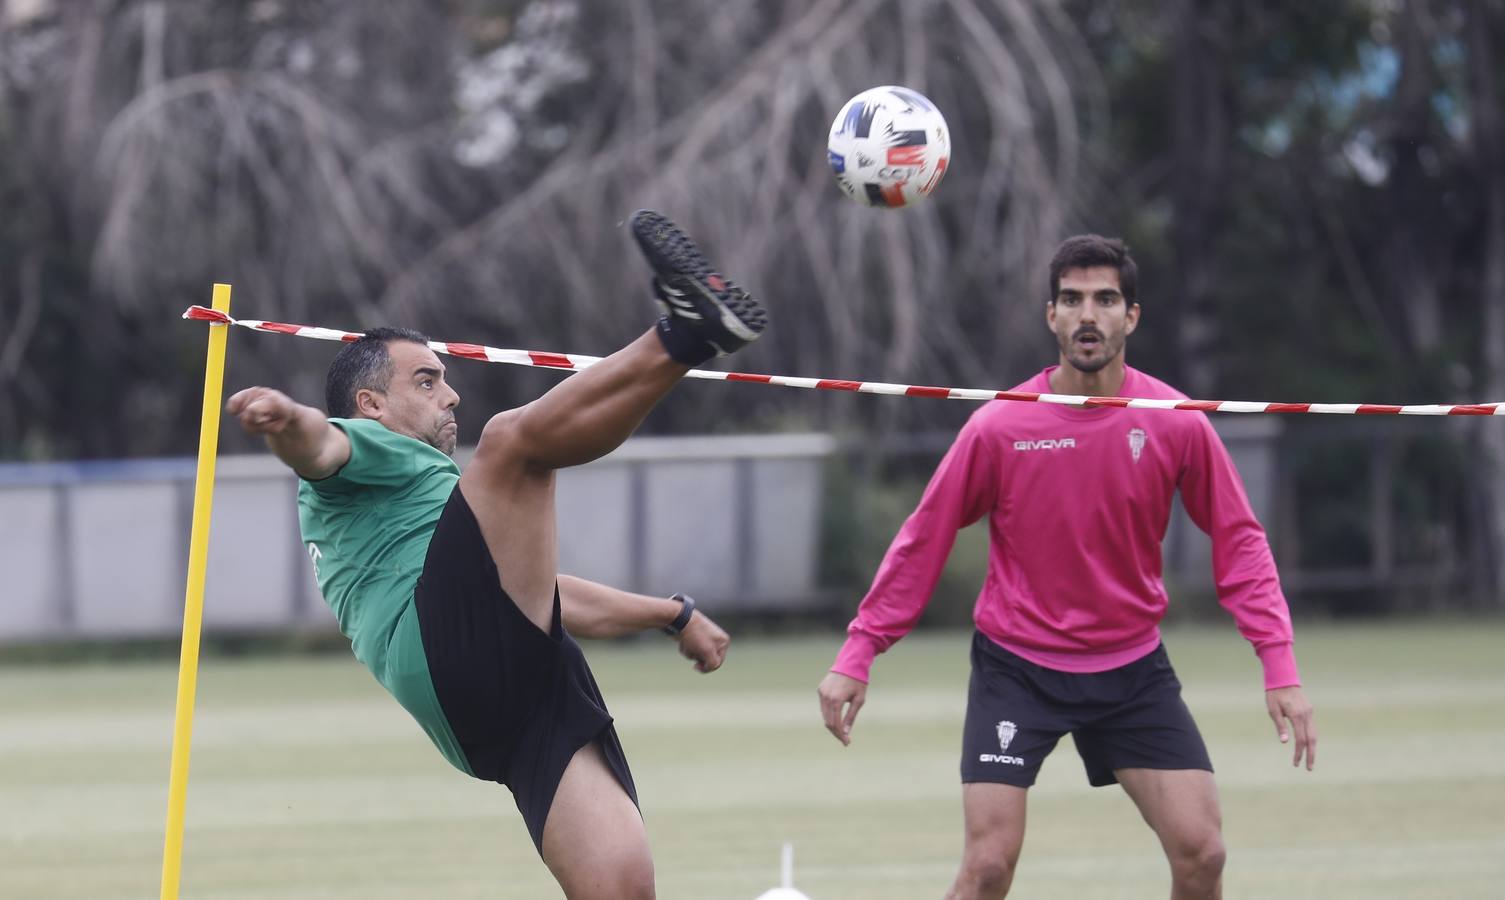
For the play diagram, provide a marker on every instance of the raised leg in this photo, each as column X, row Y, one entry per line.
column 509, row 485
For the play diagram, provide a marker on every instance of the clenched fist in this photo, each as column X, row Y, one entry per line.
column 262, row 410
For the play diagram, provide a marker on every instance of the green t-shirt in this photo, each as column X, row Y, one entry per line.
column 367, row 529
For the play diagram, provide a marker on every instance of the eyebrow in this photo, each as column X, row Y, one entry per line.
column 1073, row 292
column 428, row 370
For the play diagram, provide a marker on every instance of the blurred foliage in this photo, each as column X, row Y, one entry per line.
column 870, row 491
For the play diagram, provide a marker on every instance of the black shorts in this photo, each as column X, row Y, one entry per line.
column 1129, row 717
column 520, row 702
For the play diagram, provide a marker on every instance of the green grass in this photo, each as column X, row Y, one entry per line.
column 308, row 782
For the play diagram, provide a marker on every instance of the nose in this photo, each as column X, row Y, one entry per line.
column 453, row 400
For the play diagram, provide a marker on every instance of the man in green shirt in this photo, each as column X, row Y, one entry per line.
column 447, row 583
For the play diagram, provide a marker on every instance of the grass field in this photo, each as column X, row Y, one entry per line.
column 309, row 783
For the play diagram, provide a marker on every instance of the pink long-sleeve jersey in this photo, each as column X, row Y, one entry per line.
column 1077, row 502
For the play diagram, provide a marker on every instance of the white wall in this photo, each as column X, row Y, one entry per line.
column 99, row 550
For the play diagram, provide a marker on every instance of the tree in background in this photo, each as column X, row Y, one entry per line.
column 1315, row 195
column 463, row 167
column 1485, row 28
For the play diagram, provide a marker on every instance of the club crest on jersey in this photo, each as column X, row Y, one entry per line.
column 1136, row 442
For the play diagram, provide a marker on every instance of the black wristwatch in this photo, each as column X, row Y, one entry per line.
column 687, row 609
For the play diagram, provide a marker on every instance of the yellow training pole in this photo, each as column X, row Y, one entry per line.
column 193, row 605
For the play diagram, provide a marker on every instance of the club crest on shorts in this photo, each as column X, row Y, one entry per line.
column 1136, row 442
column 1006, row 730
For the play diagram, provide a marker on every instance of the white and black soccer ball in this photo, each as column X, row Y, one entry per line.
column 889, row 147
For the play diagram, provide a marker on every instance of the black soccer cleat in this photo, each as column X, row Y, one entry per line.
column 705, row 315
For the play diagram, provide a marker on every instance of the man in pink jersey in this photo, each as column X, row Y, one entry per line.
column 1068, row 637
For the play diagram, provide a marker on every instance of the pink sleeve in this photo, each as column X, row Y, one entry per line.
column 1242, row 565
column 960, row 492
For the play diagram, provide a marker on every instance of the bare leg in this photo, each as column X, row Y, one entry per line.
column 590, row 413
column 1182, row 806
column 995, row 835
column 510, row 483
column 594, row 840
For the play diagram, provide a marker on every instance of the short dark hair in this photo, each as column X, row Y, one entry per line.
column 363, row 364
column 1084, row 251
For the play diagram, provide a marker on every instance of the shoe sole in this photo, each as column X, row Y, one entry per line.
column 672, row 253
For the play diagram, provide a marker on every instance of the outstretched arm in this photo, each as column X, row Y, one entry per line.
column 301, row 436
column 592, row 610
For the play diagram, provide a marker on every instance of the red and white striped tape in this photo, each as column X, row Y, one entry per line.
column 573, row 361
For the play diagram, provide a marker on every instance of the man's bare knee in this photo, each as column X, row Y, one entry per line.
column 624, row 876
column 986, row 876
column 502, row 433
column 1199, row 860
column 506, row 445
column 987, row 870
column 634, row 879
column 995, row 835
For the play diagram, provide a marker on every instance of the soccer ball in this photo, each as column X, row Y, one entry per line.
column 889, row 147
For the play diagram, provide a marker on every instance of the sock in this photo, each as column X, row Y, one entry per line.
column 682, row 345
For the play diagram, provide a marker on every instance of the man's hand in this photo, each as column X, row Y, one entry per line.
column 705, row 642
column 262, row 410
column 840, row 699
column 1289, row 710
column 300, row 435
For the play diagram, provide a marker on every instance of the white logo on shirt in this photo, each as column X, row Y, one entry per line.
column 1136, row 442
column 315, row 554
column 1047, row 444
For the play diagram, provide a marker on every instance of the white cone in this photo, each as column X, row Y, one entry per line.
column 786, row 891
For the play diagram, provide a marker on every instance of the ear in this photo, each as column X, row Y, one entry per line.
column 370, row 404
column 1131, row 319
column 1050, row 315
